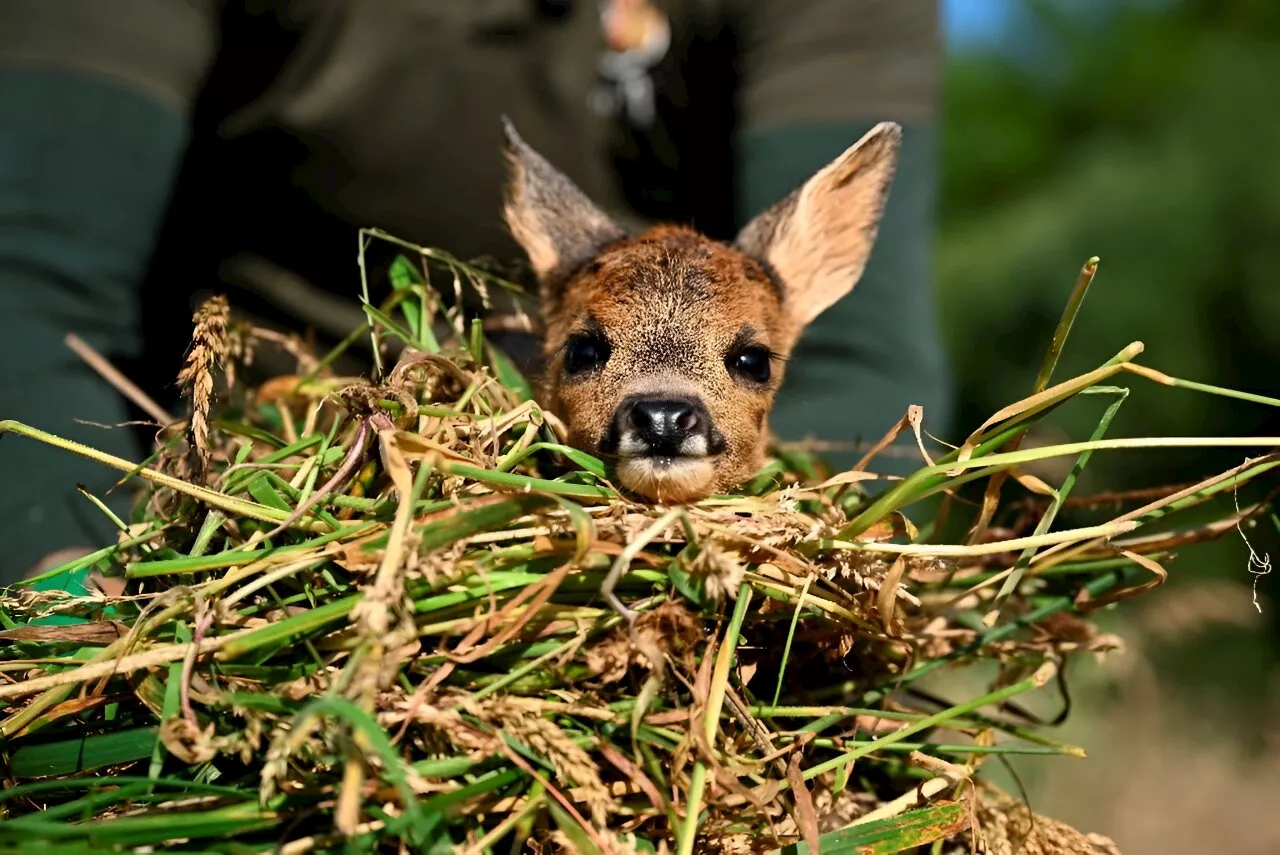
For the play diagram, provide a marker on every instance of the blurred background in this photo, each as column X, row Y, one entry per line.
column 1134, row 130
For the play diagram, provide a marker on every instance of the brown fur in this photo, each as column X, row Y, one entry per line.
column 674, row 304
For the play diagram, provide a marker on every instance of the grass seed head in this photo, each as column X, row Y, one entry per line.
column 208, row 350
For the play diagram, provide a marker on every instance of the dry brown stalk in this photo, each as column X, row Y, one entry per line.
column 208, row 350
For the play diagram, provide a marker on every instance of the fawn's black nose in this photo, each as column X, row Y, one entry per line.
column 664, row 426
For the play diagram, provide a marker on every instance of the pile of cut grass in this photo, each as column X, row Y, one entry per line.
column 366, row 616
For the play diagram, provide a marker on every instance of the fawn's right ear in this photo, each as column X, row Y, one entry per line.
column 556, row 224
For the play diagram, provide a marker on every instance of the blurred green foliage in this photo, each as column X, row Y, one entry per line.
column 1148, row 137
column 1147, row 134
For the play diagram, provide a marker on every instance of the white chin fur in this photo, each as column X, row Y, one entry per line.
column 630, row 445
column 667, row 479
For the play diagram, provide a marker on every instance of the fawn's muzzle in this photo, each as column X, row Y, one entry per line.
column 663, row 426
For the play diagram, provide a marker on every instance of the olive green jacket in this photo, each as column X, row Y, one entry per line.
column 150, row 147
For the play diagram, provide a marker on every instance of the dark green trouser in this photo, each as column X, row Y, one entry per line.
column 84, row 177
column 876, row 352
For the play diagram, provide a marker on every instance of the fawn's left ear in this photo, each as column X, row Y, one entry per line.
column 818, row 239
column 556, row 224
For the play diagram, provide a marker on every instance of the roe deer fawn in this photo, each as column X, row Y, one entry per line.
column 663, row 351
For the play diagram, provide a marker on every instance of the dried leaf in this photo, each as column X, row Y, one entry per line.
column 93, row 633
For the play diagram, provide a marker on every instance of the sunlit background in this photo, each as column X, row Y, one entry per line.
column 1144, row 133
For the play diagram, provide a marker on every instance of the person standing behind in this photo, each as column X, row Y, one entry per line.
column 153, row 149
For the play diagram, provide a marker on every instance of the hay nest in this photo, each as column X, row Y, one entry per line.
column 368, row 613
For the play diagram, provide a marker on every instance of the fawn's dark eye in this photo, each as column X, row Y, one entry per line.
column 752, row 363
column 585, row 352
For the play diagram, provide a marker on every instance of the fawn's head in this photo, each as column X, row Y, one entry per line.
column 664, row 351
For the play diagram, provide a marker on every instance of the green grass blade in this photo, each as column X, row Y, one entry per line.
column 1068, row 319
column 579, row 458
column 210, row 497
column 1051, row 513
column 897, row 834
column 572, row 830
column 82, row 754
column 508, row 374
column 522, row 482
column 221, row 560
column 291, row 629
column 711, row 718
